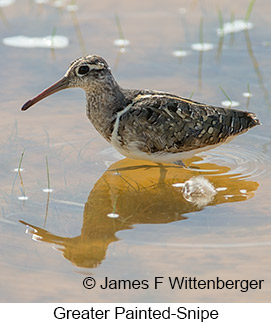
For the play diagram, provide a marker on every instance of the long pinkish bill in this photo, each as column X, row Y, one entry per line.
column 58, row 86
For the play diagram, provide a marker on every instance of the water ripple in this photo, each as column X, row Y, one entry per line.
column 247, row 159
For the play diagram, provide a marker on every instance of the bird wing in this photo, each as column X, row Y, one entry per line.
column 158, row 122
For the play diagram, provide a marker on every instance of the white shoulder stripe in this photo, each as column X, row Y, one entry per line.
column 114, row 137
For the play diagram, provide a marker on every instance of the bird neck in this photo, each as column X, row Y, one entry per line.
column 103, row 103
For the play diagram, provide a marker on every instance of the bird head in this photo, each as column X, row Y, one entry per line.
column 86, row 72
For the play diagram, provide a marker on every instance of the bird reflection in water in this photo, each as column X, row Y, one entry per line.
column 131, row 193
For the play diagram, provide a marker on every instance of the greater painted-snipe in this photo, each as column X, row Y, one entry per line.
column 146, row 124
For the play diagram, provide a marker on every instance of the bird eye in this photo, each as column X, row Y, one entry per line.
column 82, row 70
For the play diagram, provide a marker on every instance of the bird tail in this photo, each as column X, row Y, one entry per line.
column 253, row 120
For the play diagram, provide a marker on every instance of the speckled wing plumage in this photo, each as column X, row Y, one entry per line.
column 161, row 122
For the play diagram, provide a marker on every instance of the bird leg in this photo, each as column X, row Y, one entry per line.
column 163, row 173
column 179, row 163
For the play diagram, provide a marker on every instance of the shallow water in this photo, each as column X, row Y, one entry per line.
column 106, row 216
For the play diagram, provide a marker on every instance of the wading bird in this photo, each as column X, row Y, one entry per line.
column 146, row 124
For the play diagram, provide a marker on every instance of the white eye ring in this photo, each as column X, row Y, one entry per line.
column 86, row 68
column 82, row 70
